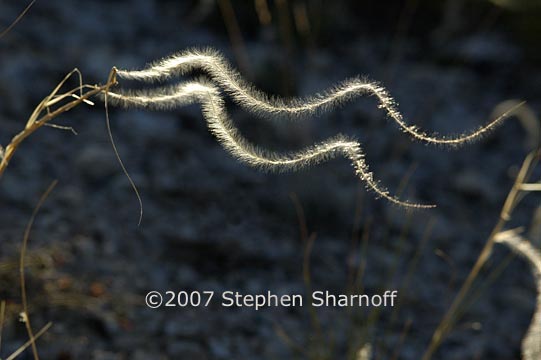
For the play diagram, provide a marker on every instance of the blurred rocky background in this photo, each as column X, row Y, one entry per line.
column 211, row 223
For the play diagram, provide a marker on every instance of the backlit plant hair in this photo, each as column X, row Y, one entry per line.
column 206, row 91
column 220, row 125
column 247, row 96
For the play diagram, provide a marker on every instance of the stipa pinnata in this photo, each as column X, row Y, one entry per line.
column 220, row 125
column 221, row 76
column 257, row 102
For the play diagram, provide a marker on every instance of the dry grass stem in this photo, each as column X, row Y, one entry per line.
column 25, row 314
column 43, row 113
column 512, row 200
column 17, row 19
column 30, row 342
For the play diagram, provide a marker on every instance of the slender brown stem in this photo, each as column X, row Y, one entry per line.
column 29, row 342
column 24, row 314
column 403, row 336
column 511, row 201
column 32, row 126
column 21, row 15
column 235, row 34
